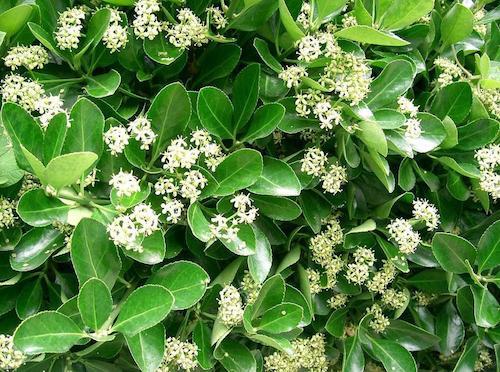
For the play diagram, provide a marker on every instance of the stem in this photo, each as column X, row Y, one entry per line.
column 130, row 94
column 54, row 81
column 81, row 199
column 469, row 75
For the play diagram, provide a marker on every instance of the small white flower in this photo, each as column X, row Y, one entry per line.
column 141, row 129
column 334, row 178
column 173, row 209
column 166, row 186
column 406, row 106
column 489, row 160
column 48, row 106
column 30, row 57
column 10, row 357
column 230, row 306
column 179, row 355
column 123, row 232
column 146, row 24
column 314, row 162
column 217, row 17
column 20, row 90
column 427, row 212
column 413, row 129
column 450, row 71
column 125, row 183
column 309, row 48
column 292, row 75
column 145, row 217
column 69, row 31
column 190, row 31
column 115, row 37
column 327, row 115
column 117, row 139
column 403, row 234
column 7, row 216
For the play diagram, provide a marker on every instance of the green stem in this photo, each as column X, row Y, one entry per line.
column 54, row 81
column 130, row 94
column 83, row 200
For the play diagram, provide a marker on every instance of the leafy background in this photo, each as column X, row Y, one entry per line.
column 75, row 301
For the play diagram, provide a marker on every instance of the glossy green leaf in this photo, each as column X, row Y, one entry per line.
column 467, row 359
column 265, row 120
column 353, row 359
column 218, row 62
column 29, row 300
column 373, row 136
column 37, row 209
column 55, row 134
column 370, row 35
column 147, row 347
column 477, row 134
column 270, row 294
column 393, row 356
column 409, row 336
column 264, row 53
column 456, row 25
column 454, row 100
column 488, row 255
column 95, row 303
column 66, row 169
column 215, row 111
column 277, row 208
column 186, row 281
column 246, row 93
column 336, row 322
column 259, row 264
column 453, row 252
column 235, row 357
column 201, row 337
column 144, row 308
column 103, row 85
column 486, row 308
column 450, row 328
column 277, row 179
column 403, row 13
column 289, row 23
column 47, row 332
column 13, row 19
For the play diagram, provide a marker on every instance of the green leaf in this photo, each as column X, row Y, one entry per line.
column 144, row 308
column 66, row 169
column 147, row 347
column 253, row 17
column 271, row 294
column 169, row 114
column 35, row 247
column 468, row 358
column 275, row 341
column 370, row 35
column 215, row 111
column 327, row 9
column 87, row 125
column 277, row 208
column 477, row 134
column 265, row 54
column 13, row 19
column 125, row 202
column 486, row 308
column 23, row 131
column 465, row 169
column 94, row 303
column 353, row 359
column 259, row 264
column 394, row 80
column 93, row 254
column 96, row 27
column 453, row 252
column 103, row 85
column 403, row 13
column 265, row 120
column 277, row 179
column 373, row 136
column 201, row 337
column 153, row 249
column 389, row 118
column 198, row 223
column 55, row 134
column 336, row 322
column 244, row 244
column 161, row 51
column 456, row 25
column 37, row 209
column 488, row 249
column 246, row 94
column 280, row 318
column 218, row 62
column 10, row 173
column 235, row 357
column 29, row 300
column 430, row 281
column 433, row 134
column 237, row 171
column 185, row 280
column 315, row 209
column 121, row 2
column 47, row 332
column 450, row 328
column 465, row 304
column 393, row 356
column 411, row 337
column 454, row 100
column 293, row 295
column 289, row 23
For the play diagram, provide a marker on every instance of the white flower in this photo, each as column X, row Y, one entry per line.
column 394, row 299
column 123, row 232
column 217, row 17
column 179, row 354
column 115, row 36
column 18, row 89
column 145, row 217
column 166, row 186
column 125, row 183
column 479, row 27
column 337, row 301
column 10, row 357
column 230, row 306
column 200, row 138
column 349, row 20
column 489, row 160
column 334, row 178
column 146, row 24
column 30, row 57
column 379, row 321
column 116, row 138
column 382, row 278
column 192, row 184
column 327, row 115
column 173, row 209
column 413, row 129
column 449, row 71
column 141, row 129
column 292, row 75
column 314, row 162
column 222, row 228
column 304, row 17
column 48, row 106
column 406, row 106
column 403, row 234
column 357, row 273
column 69, row 29
column 364, row 256
column 309, row 48
column 178, row 155
column 190, row 31
column 427, row 212
column 7, row 217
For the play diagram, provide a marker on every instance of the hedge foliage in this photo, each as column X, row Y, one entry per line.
column 249, row 185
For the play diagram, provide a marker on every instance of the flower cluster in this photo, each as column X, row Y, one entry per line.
column 117, row 138
column 217, row 17
column 338, row 301
column 308, row 354
column 479, row 27
column 146, row 24
column 483, row 361
column 115, row 37
column 70, row 25
column 7, row 217
column 230, row 306
column 489, row 161
column 394, row 299
column 125, row 183
column 425, row 211
column 311, row 101
column 401, row 231
column 292, row 75
column 128, row 231
column 379, row 321
column 333, row 176
column 450, row 71
column 31, row 96
column 250, row 287
column 358, row 271
column 30, row 57
column 190, row 31
column 10, row 358
column 490, row 98
column 382, row 278
column 179, row 355
column 406, row 106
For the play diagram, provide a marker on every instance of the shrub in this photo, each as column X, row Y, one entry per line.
column 249, row 185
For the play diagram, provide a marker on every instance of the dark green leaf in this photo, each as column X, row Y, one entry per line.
column 94, row 303
column 215, row 111
column 453, row 252
column 237, row 171
column 37, row 209
column 147, row 347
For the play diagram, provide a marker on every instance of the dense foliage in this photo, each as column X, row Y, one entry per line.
column 249, row 185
